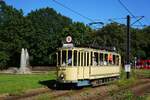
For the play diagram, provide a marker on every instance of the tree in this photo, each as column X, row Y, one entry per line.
column 14, row 33
column 48, row 25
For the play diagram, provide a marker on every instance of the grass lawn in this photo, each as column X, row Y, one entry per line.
column 145, row 73
column 16, row 83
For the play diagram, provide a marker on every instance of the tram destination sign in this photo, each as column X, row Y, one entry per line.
column 69, row 45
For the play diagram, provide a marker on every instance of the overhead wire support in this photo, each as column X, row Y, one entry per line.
column 136, row 17
column 137, row 20
column 73, row 10
column 129, row 11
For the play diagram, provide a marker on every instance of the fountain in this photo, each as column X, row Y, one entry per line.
column 24, row 62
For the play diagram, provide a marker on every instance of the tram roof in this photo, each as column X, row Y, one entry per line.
column 87, row 49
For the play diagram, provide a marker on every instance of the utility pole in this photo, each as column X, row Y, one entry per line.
column 127, row 65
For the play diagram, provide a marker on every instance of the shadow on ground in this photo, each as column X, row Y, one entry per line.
column 53, row 84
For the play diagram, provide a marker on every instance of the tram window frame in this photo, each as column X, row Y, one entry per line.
column 64, row 55
column 69, row 59
column 75, row 57
column 95, row 60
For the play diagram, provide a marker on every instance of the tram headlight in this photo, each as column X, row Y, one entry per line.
column 62, row 76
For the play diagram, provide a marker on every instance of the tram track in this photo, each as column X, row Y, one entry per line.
column 35, row 92
column 85, row 93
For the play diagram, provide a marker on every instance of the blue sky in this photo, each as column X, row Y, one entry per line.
column 97, row 10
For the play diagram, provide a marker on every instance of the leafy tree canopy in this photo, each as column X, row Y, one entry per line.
column 44, row 30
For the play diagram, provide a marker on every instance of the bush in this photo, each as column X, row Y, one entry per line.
column 4, row 57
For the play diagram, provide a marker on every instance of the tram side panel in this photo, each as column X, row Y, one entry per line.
column 83, row 72
column 104, row 71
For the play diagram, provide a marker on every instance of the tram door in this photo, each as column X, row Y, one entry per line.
column 86, row 65
column 83, row 63
column 80, row 65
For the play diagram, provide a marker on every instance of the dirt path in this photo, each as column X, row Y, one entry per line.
column 141, row 89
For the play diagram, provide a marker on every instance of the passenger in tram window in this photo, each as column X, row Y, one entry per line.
column 101, row 59
column 105, row 63
column 95, row 59
column 101, row 62
column 63, row 58
column 94, row 62
column 69, row 61
column 110, row 59
column 106, row 60
column 63, row 64
column 69, row 57
column 110, row 62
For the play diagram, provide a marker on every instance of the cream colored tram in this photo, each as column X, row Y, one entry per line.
column 86, row 66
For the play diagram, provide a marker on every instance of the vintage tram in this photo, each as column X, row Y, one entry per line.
column 87, row 66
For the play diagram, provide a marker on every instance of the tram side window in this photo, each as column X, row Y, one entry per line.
column 69, row 57
column 91, row 54
column 95, row 61
column 79, row 59
column 101, row 59
column 82, row 59
column 75, row 58
column 117, row 60
column 105, row 59
column 63, row 58
column 114, row 59
column 110, row 59
column 87, row 59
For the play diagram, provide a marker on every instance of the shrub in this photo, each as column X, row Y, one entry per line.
column 4, row 57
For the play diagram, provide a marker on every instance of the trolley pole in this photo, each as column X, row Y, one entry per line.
column 127, row 65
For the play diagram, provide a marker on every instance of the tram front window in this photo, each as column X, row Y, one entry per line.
column 69, row 58
column 63, row 58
